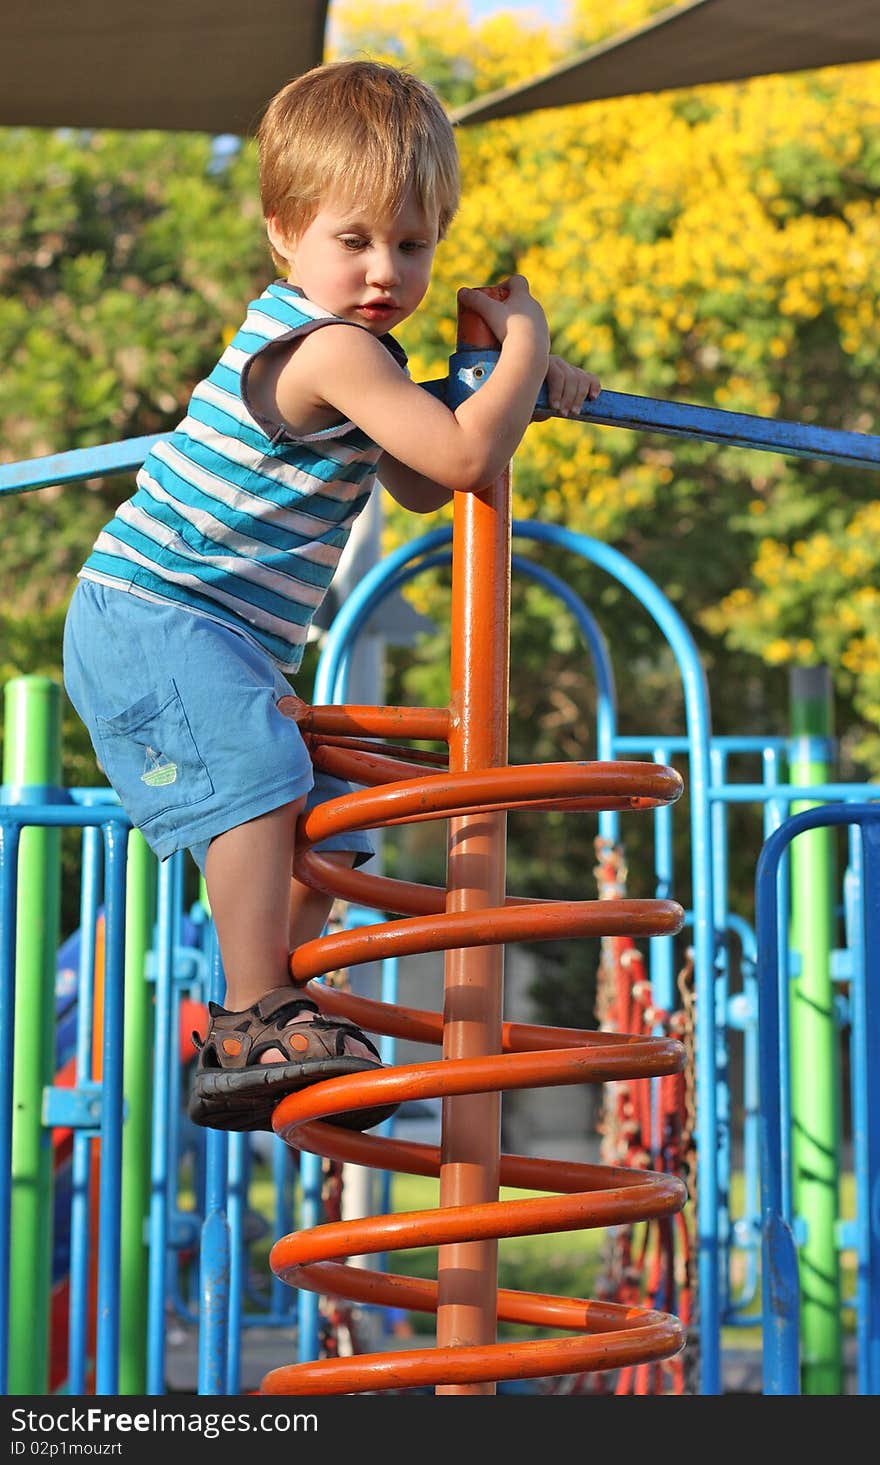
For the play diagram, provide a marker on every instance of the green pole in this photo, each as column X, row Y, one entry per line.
column 137, row 1087
column 815, row 1057
column 32, row 761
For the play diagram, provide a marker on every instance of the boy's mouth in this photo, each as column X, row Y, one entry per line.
column 377, row 309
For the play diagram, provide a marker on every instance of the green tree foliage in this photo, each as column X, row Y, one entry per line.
column 124, row 259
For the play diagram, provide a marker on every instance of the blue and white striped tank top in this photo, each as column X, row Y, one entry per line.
column 234, row 517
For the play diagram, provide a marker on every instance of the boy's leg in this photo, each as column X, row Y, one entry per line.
column 261, row 914
column 310, row 909
column 247, row 872
column 242, row 1075
column 309, row 912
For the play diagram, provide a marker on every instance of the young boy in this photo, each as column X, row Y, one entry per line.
column 197, row 596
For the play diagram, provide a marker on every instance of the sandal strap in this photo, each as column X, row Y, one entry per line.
column 236, row 1040
column 281, row 1004
column 343, row 1026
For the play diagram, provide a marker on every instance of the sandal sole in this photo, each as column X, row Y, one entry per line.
column 247, row 1099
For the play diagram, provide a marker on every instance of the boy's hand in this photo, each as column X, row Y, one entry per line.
column 568, row 388
column 516, row 310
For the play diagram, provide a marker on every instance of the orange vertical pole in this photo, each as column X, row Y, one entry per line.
column 473, row 987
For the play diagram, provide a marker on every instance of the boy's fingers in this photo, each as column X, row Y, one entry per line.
column 569, row 387
column 564, row 383
column 492, row 292
column 516, row 285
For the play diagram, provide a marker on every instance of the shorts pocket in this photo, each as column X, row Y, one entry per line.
column 150, row 756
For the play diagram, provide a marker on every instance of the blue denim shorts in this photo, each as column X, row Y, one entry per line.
column 183, row 716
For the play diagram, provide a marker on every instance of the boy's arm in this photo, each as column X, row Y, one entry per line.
column 568, row 387
column 350, row 372
column 414, row 491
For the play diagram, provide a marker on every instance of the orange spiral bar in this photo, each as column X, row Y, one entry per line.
column 531, row 1056
column 483, row 1056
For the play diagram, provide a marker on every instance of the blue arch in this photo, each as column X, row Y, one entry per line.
column 409, row 560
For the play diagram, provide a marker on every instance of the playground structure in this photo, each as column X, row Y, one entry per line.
column 481, row 1054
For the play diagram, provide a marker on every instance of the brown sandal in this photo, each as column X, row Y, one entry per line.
column 233, row 1090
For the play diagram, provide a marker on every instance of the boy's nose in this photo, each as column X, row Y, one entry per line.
column 382, row 268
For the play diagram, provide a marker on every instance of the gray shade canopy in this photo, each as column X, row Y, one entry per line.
column 701, row 41
column 188, row 65
column 209, row 65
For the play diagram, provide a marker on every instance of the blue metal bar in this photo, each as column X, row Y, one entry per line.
column 662, row 967
column 774, row 761
column 781, row 1366
column 718, row 761
column 681, row 419
column 746, row 1231
column 164, row 1123
column 744, row 743
column 101, row 462
column 177, row 1118
column 791, row 793
column 81, row 1158
column 236, row 1208
column 66, row 816
column 214, row 1254
column 174, row 1136
column 610, row 409
column 285, row 1167
column 733, row 429
column 311, row 1209
column 679, row 744
column 775, row 810
column 107, row 1349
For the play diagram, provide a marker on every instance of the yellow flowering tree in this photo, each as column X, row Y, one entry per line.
column 717, row 246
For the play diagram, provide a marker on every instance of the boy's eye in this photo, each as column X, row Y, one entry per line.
column 352, row 241
column 412, row 246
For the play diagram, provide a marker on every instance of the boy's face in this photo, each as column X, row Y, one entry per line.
column 367, row 268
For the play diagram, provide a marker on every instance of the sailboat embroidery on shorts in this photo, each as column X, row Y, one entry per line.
column 158, row 770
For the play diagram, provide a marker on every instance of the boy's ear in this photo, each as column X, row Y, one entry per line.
column 278, row 239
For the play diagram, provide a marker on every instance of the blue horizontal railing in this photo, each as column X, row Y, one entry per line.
column 610, row 409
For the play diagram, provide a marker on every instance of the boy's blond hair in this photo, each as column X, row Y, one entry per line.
column 360, row 129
